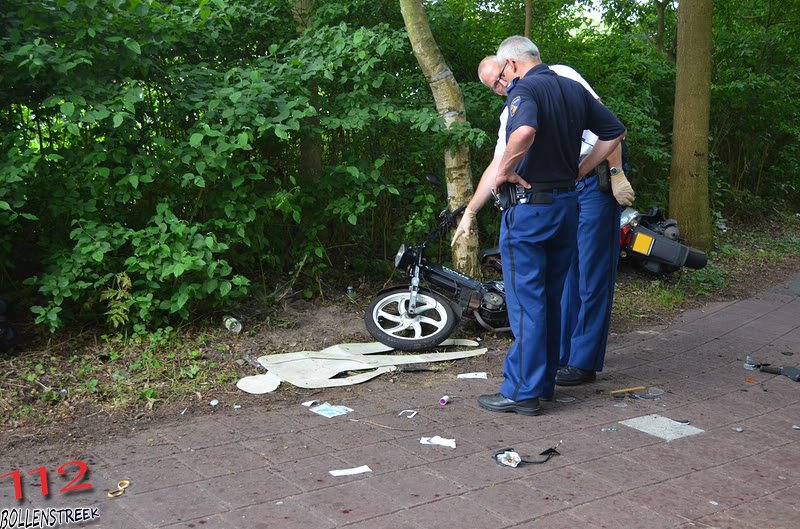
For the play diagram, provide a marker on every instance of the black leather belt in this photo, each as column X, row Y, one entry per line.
column 563, row 186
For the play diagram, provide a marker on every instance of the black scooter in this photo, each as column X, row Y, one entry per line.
column 414, row 317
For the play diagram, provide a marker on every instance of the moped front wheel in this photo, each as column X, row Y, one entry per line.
column 388, row 320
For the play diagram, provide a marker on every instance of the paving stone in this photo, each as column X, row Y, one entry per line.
column 349, row 502
column 516, row 501
column 716, row 484
column 135, row 447
column 222, row 459
column 765, row 475
column 312, row 473
column 434, row 452
column 381, row 457
column 258, row 423
column 724, row 520
column 626, row 473
column 767, row 512
column 620, row 511
column 561, row 520
column 148, row 475
column 573, row 485
column 290, row 446
column 670, row 499
column 201, row 432
column 249, row 487
column 408, row 488
column 455, row 513
column 114, row 517
column 183, row 502
column 343, row 434
column 478, row 470
column 290, row 513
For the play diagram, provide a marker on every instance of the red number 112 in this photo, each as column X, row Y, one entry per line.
column 69, row 487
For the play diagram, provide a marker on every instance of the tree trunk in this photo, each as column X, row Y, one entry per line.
column 688, row 189
column 450, row 105
column 528, row 17
column 310, row 166
column 661, row 7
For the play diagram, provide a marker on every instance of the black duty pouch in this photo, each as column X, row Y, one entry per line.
column 603, row 177
column 508, row 196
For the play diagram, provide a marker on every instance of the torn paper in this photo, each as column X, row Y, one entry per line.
column 350, row 471
column 436, row 440
column 472, row 375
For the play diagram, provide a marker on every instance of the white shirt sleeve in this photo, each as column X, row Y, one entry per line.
column 589, row 138
column 500, row 148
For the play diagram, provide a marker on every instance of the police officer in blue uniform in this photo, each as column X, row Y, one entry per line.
column 535, row 185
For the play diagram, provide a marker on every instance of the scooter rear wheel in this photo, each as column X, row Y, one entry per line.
column 388, row 320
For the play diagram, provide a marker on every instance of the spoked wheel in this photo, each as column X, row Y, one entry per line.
column 388, row 320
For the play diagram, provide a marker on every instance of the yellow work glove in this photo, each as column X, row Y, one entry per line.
column 622, row 189
column 465, row 226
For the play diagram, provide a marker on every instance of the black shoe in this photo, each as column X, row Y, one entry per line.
column 573, row 376
column 497, row 402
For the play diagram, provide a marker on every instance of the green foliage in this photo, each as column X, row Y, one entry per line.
column 151, row 153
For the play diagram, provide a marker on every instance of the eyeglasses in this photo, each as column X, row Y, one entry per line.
column 500, row 78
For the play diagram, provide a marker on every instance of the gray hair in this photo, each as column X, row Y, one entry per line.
column 518, row 48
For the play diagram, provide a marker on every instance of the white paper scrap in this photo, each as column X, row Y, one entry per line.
column 350, row 471
column 326, row 409
column 310, row 403
column 472, row 375
column 662, row 427
column 436, row 440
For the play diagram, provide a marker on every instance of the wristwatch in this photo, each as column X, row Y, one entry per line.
column 615, row 170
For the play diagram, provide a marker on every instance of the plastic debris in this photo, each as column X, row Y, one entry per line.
column 650, row 394
column 408, row 413
column 183, row 411
column 436, row 440
column 787, row 353
column 566, row 399
column 608, row 429
column 232, row 324
column 621, row 405
column 259, row 384
column 714, row 503
column 749, row 380
column 213, row 402
column 750, row 364
column 351, row 293
column 326, row 409
column 738, row 429
column 681, row 421
column 350, row 471
column 237, row 406
column 508, row 458
column 310, row 403
column 444, row 400
column 482, row 375
column 796, row 426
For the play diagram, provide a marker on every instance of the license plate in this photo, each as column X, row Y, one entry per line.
column 642, row 244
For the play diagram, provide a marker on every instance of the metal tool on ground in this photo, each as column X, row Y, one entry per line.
column 791, row 372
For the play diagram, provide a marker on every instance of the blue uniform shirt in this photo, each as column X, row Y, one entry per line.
column 559, row 109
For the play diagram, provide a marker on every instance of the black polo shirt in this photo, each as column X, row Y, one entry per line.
column 559, row 109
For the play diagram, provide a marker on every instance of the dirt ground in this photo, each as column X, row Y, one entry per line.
column 304, row 325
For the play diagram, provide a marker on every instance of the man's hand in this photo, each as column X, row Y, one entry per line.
column 622, row 189
column 465, row 226
column 511, row 178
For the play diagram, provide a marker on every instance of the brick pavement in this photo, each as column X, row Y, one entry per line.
column 268, row 468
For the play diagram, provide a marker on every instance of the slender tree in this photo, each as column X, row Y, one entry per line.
column 688, row 189
column 310, row 167
column 450, row 106
column 528, row 17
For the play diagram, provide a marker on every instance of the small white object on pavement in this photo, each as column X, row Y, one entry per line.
column 436, row 440
column 482, row 375
column 350, row 471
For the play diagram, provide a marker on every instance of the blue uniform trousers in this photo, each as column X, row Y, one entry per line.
column 589, row 289
column 537, row 244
